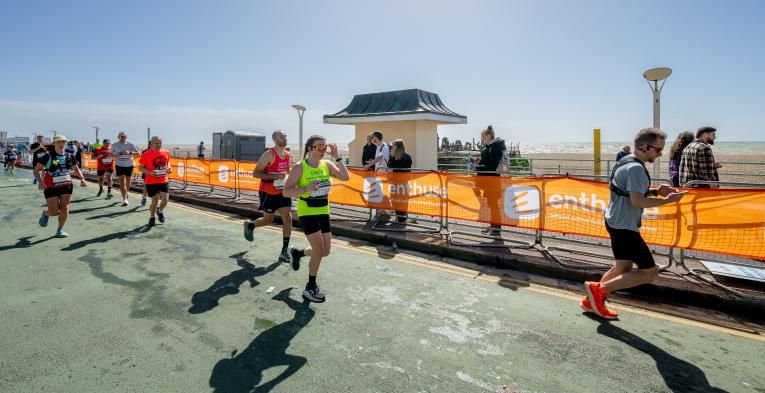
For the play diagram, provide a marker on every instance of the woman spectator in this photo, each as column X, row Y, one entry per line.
column 400, row 161
column 675, row 154
column 626, row 150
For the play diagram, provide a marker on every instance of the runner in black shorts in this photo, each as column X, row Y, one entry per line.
column 37, row 150
column 310, row 181
column 272, row 168
column 630, row 190
column 53, row 172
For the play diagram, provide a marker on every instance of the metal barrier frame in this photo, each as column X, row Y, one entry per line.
column 375, row 220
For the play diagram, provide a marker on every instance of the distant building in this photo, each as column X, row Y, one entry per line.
column 3, row 136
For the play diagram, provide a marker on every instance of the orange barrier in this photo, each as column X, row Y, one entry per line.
column 726, row 221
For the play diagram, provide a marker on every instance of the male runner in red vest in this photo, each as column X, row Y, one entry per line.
column 272, row 168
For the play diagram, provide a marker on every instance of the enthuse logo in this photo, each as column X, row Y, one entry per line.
column 223, row 173
column 373, row 191
column 522, row 202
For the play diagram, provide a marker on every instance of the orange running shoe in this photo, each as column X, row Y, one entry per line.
column 597, row 300
column 587, row 307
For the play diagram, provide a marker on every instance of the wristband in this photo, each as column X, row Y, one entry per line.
column 339, row 159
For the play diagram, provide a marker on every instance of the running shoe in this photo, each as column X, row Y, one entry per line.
column 284, row 256
column 247, row 230
column 125, row 202
column 152, row 221
column 100, row 191
column 294, row 258
column 60, row 233
column 585, row 304
column 494, row 233
column 314, row 294
column 597, row 301
column 109, row 195
column 43, row 219
column 143, row 201
column 161, row 216
column 34, row 181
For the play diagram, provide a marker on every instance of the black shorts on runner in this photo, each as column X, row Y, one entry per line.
column 55, row 192
column 630, row 246
column 124, row 171
column 101, row 172
column 272, row 203
column 154, row 189
column 313, row 224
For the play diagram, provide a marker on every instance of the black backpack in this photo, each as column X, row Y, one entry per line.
column 624, row 161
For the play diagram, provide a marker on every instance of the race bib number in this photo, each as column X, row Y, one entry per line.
column 160, row 172
column 107, row 160
column 279, row 183
column 58, row 180
column 40, row 155
column 323, row 189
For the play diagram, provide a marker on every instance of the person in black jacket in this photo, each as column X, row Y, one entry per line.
column 491, row 156
column 400, row 161
column 368, row 154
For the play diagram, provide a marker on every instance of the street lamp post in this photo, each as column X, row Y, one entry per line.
column 300, row 109
column 97, row 129
column 653, row 77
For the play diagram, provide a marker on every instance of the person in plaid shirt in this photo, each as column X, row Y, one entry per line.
column 698, row 162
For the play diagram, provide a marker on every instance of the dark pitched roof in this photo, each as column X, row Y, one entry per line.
column 399, row 102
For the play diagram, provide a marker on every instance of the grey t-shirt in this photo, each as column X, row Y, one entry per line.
column 620, row 213
column 124, row 153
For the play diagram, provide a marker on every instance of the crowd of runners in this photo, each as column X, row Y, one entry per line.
column 309, row 180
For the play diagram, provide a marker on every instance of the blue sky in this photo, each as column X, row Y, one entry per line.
column 539, row 71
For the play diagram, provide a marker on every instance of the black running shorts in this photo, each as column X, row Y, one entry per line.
column 154, row 189
column 124, row 171
column 313, row 224
column 270, row 203
column 102, row 171
column 55, row 192
column 630, row 246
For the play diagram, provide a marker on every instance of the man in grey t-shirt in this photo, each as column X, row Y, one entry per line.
column 123, row 152
column 630, row 194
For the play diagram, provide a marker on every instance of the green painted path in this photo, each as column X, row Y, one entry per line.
column 185, row 307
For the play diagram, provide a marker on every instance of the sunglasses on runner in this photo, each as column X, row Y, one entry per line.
column 320, row 147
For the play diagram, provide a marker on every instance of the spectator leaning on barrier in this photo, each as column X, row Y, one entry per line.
column 675, row 153
column 626, row 150
column 382, row 153
column 630, row 194
column 697, row 161
column 400, row 161
column 368, row 154
column 491, row 156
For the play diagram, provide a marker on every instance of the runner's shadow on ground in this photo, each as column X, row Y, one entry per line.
column 106, row 238
column 243, row 372
column 229, row 284
column 24, row 242
column 113, row 215
column 90, row 209
column 679, row 375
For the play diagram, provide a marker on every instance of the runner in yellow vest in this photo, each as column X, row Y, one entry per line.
column 310, row 181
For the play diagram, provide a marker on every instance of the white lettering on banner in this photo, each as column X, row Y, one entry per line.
column 181, row 169
column 593, row 204
column 373, row 189
column 223, row 173
column 522, row 202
